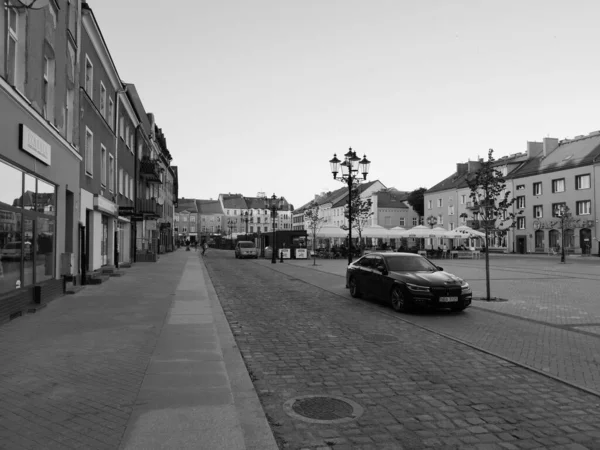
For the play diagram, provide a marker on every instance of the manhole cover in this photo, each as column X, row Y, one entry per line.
column 380, row 338
column 322, row 409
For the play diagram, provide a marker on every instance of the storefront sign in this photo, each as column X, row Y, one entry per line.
column 555, row 224
column 105, row 205
column 301, row 253
column 34, row 145
column 285, row 251
column 126, row 210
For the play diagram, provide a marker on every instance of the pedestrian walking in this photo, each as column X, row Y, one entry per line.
column 204, row 247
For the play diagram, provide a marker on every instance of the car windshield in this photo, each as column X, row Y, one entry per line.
column 246, row 245
column 409, row 264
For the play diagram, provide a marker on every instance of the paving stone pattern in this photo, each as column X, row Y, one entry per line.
column 423, row 391
column 70, row 374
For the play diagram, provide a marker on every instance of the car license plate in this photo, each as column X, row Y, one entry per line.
column 448, row 299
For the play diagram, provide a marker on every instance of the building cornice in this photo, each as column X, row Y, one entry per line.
column 26, row 106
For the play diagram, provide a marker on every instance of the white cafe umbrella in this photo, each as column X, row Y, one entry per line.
column 448, row 234
column 468, row 232
column 332, row 231
column 377, row 231
column 420, row 232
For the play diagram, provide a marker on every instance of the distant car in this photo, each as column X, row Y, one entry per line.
column 407, row 280
column 246, row 249
column 12, row 251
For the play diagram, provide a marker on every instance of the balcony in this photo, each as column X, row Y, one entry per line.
column 472, row 206
column 150, row 170
column 149, row 206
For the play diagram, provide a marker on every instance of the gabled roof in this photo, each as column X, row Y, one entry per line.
column 392, row 198
column 453, row 182
column 256, row 202
column 187, row 204
column 234, row 201
column 569, row 154
column 362, row 187
column 209, row 207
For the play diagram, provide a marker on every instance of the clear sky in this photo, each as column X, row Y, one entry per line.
column 257, row 95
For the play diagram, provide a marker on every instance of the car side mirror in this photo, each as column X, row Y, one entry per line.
column 439, row 268
column 382, row 269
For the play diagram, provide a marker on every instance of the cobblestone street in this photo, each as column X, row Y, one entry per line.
column 417, row 388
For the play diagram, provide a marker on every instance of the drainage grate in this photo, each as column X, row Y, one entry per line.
column 323, row 409
column 380, row 337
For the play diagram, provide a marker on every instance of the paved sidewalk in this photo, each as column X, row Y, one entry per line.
column 143, row 361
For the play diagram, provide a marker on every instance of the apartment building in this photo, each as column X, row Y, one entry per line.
column 253, row 212
column 186, row 220
column 210, row 217
column 549, row 174
column 39, row 153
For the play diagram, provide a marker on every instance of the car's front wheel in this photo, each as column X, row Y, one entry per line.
column 398, row 299
column 354, row 291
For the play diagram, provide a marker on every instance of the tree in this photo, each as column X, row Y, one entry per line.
column 488, row 192
column 359, row 213
column 416, row 199
column 311, row 215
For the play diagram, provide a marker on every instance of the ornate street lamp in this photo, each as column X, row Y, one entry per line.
column 230, row 224
column 431, row 221
column 562, row 211
column 274, row 204
column 350, row 168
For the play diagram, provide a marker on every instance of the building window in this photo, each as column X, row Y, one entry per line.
column 103, row 155
column 521, row 202
column 120, row 187
column 451, row 226
column 558, row 185
column 582, row 181
column 89, row 152
column 15, row 58
column 463, row 199
column 439, row 202
column 192, row 218
column 556, row 208
column 537, row 188
column 538, row 211
column 415, row 221
column 111, row 112
column 440, row 219
column 520, row 223
column 102, row 100
column 176, row 217
column 131, row 188
column 402, row 221
column 583, row 208
column 539, row 239
column 121, row 127
column 387, row 221
column 127, row 135
column 89, row 76
column 520, row 187
column 450, row 210
column 69, row 107
column 111, row 173
column 46, row 87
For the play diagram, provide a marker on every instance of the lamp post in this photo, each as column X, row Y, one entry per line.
column 562, row 211
column 231, row 223
column 350, row 167
column 274, row 204
column 245, row 219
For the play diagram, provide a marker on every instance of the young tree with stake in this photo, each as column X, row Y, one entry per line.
column 314, row 222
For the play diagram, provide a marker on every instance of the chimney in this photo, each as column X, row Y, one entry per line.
column 473, row 166
column 550, row 144
column 462, row 168
column 535, row 149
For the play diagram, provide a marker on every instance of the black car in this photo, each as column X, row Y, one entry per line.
column 407, row 280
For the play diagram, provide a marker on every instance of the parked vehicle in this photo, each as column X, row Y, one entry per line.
column 407, row 280
column 12, row 251
column 246, row 249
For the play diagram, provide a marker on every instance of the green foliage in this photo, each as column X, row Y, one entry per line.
column 416, row 199
column 359, row 212
column 311, row 215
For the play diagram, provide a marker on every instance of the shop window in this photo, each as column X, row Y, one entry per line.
column 45, row 198
column 28, row 200
column 44, row 256
column 12, row 185
column 11, row 250
column 539, row 239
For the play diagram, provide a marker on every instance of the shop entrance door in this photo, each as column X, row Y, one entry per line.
column 521, row 244
column 104, row 241
column 585, row 240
